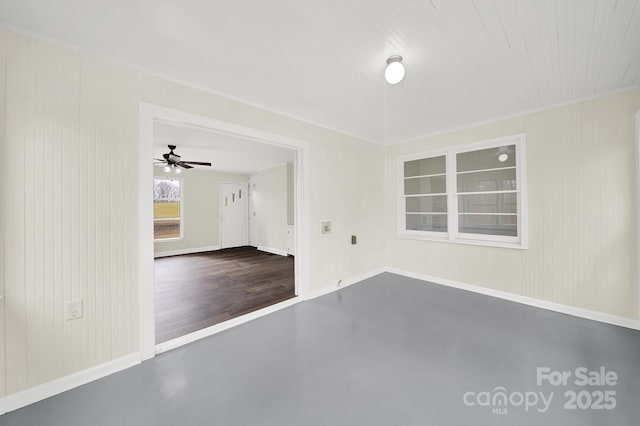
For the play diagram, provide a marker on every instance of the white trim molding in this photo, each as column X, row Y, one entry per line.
column 272, row 250
column 148, row 115
column 38, row 393
column 525, row 300
column 523, row 113
column 185, row 251
column 638, row 205
column 346, row 283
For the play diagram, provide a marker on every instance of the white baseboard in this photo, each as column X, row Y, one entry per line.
column 185, row 251
column 38, row 393
column 279, row 252
column 345, row 283
column 538, row 303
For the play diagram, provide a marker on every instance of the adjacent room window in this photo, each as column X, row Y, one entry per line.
column 167, row 209
column 469, row 194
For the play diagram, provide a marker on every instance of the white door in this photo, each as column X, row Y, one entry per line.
column 253, row 230
column 234, row 215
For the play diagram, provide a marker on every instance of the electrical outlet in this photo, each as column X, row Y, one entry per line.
column 325, row 227
column 73, row 309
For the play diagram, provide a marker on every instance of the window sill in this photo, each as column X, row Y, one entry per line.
column 472, row 242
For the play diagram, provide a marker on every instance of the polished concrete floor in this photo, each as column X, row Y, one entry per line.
column 388, row 351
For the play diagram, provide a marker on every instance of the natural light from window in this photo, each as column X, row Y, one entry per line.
column 470, row 194
column 167, row 209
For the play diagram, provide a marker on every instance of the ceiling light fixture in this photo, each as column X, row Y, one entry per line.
column 502, row 154
column 167, row 169
column 395, row 70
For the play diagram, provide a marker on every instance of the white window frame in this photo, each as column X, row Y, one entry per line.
column 453, row 235
column 181, row 237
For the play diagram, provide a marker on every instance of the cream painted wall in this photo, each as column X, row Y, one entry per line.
column 200, row 208
column 269, row 199
column 581, row 204
column 70, row 210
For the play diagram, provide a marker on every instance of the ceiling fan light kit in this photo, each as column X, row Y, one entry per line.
column 172, row 162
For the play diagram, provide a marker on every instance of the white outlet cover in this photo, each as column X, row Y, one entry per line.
column 73, row 309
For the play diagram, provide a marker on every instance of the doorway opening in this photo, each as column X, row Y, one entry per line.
column 224, row 243
column 210, row 264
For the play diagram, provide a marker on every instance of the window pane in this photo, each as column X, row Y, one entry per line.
column 166, row 189
column 488, row 224
column 436, row 203
column 427, row 185
column 166, row 229
column 166, row 208
column 427, row 222
column 496, row 180
column 488, row 203
column 425, row 166
column 486, row 159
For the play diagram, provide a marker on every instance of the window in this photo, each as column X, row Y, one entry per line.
column 469, row 194
column 167, row 209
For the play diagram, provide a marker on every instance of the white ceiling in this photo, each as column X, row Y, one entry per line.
column 323, row 61
column 227, row 153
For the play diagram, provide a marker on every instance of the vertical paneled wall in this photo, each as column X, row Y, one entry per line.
column 69, row 219
column 581, row 177
column 70, row 137
column 5, row 206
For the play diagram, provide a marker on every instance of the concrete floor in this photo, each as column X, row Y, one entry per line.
column 388, row 351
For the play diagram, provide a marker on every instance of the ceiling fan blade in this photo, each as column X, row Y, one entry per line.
column 183, row 165
column 196, row 163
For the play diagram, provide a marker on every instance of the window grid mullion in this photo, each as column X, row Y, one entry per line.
column 424, row 176
column 435, row 194
column 495, row 169
column 452, row 200
column 505, row 191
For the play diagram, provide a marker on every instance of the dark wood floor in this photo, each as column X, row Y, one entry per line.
column 196, row 291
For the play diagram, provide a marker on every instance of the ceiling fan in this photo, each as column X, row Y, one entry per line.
column 173, row 163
